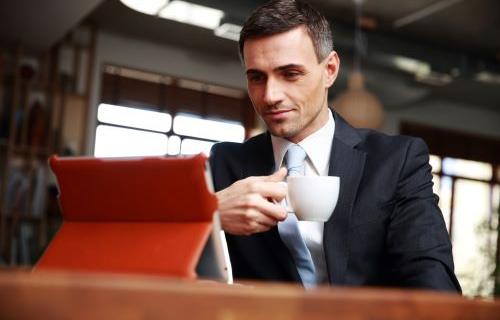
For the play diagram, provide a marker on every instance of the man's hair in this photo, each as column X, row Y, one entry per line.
column 279, row 16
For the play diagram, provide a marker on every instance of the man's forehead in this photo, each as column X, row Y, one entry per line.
column 291, row 47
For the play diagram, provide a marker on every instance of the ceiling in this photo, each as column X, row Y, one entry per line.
column 457, row 38
column 470, row 26
column 40, row 24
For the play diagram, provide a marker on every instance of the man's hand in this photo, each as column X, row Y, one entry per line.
column 252, row 205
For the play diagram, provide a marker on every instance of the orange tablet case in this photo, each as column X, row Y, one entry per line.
column 132, row 215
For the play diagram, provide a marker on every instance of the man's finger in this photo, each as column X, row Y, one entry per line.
column 273, row 190
column 266, row 221
column 263, row 219
column 278, row 175
column 273, row 210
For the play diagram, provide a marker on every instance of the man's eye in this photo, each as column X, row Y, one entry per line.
column 256, row 78
column 292, row 75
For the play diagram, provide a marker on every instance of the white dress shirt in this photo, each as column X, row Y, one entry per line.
column 318, row 147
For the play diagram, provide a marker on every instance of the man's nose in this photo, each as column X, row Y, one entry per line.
column 273, row 93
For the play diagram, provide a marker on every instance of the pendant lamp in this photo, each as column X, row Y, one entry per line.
column 356, row 105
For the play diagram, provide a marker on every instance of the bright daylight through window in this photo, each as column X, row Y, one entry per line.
column 124, row 131
column 469, row 202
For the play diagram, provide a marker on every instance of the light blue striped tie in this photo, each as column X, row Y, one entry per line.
column 289, row 229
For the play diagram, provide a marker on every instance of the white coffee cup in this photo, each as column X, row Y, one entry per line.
column 312, row 198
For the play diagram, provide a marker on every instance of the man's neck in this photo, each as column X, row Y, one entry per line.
column 318, row 123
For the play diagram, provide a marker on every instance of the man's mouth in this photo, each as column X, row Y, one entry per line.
column 277, row 114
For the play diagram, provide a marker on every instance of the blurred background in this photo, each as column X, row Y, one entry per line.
column 130, row 78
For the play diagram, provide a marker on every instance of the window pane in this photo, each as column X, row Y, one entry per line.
column 467, row 168
column 444, row 197
column 219, row 130
column 445, row 184
column 435, row 163
column 436, row 180
column 495, row 212
column 134, row 117
column 174, row 145
column 193, row 146
column 473, row 248
column 121, row 142
column 495, row 204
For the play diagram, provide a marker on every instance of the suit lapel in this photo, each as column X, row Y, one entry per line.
column 260, row 162
column 346, row 162
column 259, row 157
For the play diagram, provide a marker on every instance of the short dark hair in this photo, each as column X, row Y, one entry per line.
column 279, row 16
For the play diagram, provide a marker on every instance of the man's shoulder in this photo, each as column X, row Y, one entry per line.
column 250, row 145
column 391, row 154
column 375, row 141
column 369, row 140
column 231, row 161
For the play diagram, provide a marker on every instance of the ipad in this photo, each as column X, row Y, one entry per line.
column 149, row 215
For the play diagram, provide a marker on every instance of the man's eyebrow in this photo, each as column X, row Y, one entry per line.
column 280, row 68
column 253, row 71
column 289, row 66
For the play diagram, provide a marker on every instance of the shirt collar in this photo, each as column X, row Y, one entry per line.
column 314, row 145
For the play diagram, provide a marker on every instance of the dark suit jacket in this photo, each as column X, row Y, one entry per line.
column 386, row 229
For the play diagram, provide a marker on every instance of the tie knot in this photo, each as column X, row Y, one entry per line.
column 295, row 157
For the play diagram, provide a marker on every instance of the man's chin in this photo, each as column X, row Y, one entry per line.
column 281, row 132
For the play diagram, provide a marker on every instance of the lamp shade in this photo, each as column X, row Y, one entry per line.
column 358, row 106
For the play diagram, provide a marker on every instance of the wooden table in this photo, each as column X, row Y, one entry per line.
column 26, row 295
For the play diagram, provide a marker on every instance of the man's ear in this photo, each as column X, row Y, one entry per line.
column 332, row 65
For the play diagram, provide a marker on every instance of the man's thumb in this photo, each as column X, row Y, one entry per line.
column 278, row 175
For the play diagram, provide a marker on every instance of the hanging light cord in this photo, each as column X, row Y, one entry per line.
column 359, row 45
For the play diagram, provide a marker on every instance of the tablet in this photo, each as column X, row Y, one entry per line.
column 148, row 215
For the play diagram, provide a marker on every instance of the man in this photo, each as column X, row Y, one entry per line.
column 386, row 229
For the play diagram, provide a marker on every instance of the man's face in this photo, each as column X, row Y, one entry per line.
column 286, row 83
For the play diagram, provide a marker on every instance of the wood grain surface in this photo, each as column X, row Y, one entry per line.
column 43, row 295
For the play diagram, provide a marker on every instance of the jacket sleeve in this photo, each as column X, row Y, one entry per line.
column 418, row 245
column 223, row 162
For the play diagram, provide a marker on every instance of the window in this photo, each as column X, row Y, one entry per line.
column 466, row 175
column 195, row 126
column 469, row 199
column 135, row 118
column 185, row 116
column 114, row 141
column 127, row 131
